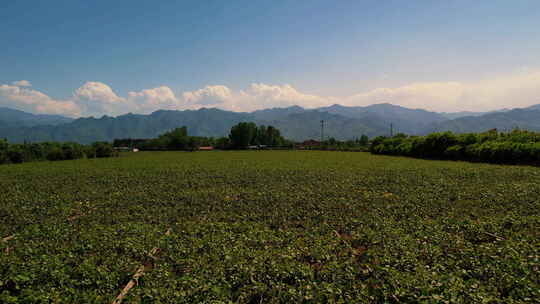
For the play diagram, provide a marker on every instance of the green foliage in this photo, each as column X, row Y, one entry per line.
column 348, row 145
column 176, row 139
column 494, row 147
column 28, row 152
column 75, row 151
column 246, row 134
column 55, row 153
column 270, row 227
column 15, row 154
column 223, row 143
column 243, row 135
column 364, row 140
column 103, row 149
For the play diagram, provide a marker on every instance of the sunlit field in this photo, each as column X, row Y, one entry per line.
column 269, row 227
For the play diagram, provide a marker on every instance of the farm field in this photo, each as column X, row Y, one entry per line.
column 269, row 227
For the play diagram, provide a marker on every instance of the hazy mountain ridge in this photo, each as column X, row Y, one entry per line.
column 527, row 119
column 297, row 123
column 16, row 118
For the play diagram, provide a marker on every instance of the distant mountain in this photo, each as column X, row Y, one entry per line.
column 410, row 121
column 203, row 122
column 295, row 123
column 277, row 113
column 15, row 118
column 518, row 118
column 533, row 107
column 454, row 115
column 305, row 125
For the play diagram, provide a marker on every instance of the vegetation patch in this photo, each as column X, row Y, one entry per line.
column 269, row 227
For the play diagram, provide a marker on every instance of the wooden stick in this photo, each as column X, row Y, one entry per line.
column 81, row 214
column 7, row 238
column 498, row 238
column 139, row 273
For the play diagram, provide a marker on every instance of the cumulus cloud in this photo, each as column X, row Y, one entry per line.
column 432, row 95
column 209, row 95
column 35, row 101
column 514, row 90
column 266, row 96
column 518, row 89
column 150, row 100
column 257, row 96
column 92, row 90
column 96, row 98
column 22, row 83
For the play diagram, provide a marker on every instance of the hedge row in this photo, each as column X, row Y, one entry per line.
column 20, row 153
column 492, row 146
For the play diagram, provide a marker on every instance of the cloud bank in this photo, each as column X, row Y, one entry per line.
column 96, row 98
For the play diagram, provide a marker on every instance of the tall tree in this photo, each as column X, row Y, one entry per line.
column 243, row 134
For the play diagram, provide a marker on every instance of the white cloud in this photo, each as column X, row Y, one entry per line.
column 257, row 96
column 432, row 95
column 266, row 96
column 22, row 83
column 97, row 91
column 514, row 90
column 208, row 96
column 147, row 101
column 35, row 101
column 518, row 89
column 97, row 98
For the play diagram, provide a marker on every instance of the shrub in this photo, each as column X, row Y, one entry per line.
column 15, row 154
column 55, row 154
column 455, row 152
column 72, row 151
column 104, row 149
column 515, row 147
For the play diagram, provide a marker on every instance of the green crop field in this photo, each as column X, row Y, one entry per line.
column 269, row 227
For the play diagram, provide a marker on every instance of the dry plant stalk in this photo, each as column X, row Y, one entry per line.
column 7, row 238
column 147, row 266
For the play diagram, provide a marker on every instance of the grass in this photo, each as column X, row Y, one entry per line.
column 269, row 227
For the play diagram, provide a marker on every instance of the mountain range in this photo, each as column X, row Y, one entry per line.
column 15, row 118
column 296, row 123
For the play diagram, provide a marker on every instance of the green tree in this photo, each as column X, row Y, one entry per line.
column 103, row 149
column 15, row 154
column 3, row 151
column 243, row 134
column 364, row 140
column 55, row 153
column 176, row 139
column 223, row 143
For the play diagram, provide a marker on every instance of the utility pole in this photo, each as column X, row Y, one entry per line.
column 391, row 130
column 322, row 131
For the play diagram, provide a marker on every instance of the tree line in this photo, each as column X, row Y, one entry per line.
column 517, row 146
column 241, row 136
column 53, row 151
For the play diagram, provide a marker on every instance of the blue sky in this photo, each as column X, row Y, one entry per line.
column 89, row 57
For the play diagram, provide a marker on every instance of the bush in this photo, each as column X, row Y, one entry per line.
column 55, row 154
column 455, row 152
column 89, row 152
column 515, row 147
column 72, row 151
column 15, row 155
column 104, row 149
column 19, row 153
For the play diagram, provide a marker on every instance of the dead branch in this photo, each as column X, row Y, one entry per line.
column 7, row 238
column 147, row 266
